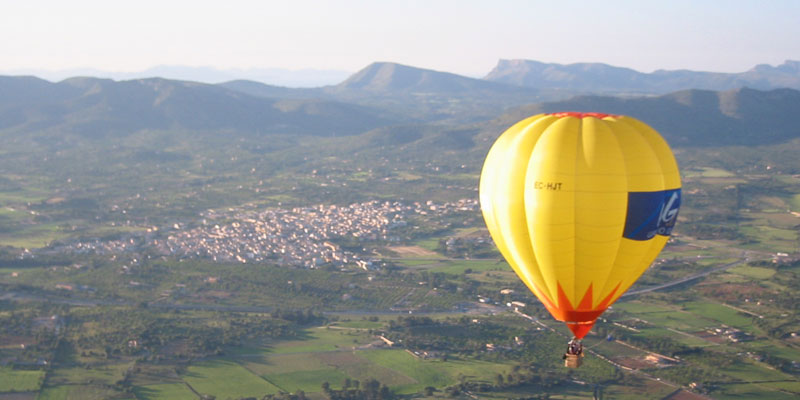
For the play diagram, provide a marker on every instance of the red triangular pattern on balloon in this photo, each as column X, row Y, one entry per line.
column 581, row 319
column 586, row 302
column 607, row 301
column 544, row 299
column 563, row 301
column 580, row 330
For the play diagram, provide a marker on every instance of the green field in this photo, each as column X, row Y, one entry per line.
column 100, row 374
column 758, row 381
column 458, row 267
column 358, row 367
column 322, row 339
column 771, row 348
column 638, row 306
column 291, row 370
column 707, row 172
column 432, row 372
column 725, row 315
column 685, row 337
column 424, row 373
column 77, row 392
column 428, row 244
column 164, row 391
column 740, row 391
column 33, row 236
column 307, row 381
column 694, row 316
column 759, row 273
column 27, row 195
column 413, row 262
column 771, row 238
column 225, row 379
column 281, row 363
column 14, row 380
column 795, row 203
column 645, row 390
column 454, row 266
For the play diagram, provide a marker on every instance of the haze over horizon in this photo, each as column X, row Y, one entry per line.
column 464, row 37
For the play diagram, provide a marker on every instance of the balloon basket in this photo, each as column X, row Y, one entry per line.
column 573, row 360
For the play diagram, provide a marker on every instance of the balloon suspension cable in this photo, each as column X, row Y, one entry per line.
column 594, row 345
column 580, row 342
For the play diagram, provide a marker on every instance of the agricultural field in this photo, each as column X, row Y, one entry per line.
column 223, row 378
column 321, row 339
column 78, row 392
column 432, row 373
column 454, row 266
column 178, row 391
column 151, row 326
column 16, row 380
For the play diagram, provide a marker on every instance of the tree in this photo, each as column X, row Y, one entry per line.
column 385, row 393
column 498, row 380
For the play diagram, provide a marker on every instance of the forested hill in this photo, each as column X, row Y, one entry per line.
column 390, row 96
column 695, row 117
column 417, row 93
column 100, row 107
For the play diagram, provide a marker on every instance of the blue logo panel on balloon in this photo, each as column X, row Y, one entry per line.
column 651, row 213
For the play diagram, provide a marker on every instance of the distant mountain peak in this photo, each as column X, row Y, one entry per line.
column 382, row 76
column 788, row 66
column 389, row 77
column 604, row 78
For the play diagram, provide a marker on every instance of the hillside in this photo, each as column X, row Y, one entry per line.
column 392, row 78
column 165, row 232
column 695, row 117
column 603, row 78
column 259, row 89
column 417, row 93
column 381, row 96
column 97, row 107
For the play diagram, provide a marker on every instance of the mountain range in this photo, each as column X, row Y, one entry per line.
column 694, row 117
column 276, row 76
column 577, row 78
column 385, row 95
column 98, row 107
column 603, row 78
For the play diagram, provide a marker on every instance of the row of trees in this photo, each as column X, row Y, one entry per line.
column 371, row 389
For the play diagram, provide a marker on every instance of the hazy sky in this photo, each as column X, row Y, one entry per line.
column 465, row 37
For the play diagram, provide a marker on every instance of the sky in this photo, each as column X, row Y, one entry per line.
column 464, row 37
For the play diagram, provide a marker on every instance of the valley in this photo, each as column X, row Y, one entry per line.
column 318, row 248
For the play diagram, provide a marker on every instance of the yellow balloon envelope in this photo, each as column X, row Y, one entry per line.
column 580, row 204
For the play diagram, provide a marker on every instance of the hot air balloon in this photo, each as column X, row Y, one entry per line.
column 580, row 204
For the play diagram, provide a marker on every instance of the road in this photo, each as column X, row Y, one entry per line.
column 686, row 278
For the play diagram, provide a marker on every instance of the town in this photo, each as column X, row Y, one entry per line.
column 302, row 236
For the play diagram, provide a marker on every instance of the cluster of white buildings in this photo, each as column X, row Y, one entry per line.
column 302, row 236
